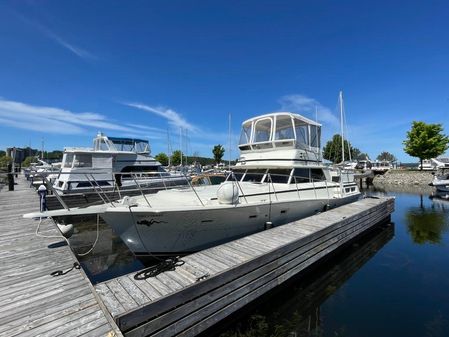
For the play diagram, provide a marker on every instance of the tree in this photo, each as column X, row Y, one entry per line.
column 176, row 157
column 332, row 150
column 386, row 156
column 218, row 152
column 28, row 160
column 4, row 161
column 425, row 141
column 162, row 158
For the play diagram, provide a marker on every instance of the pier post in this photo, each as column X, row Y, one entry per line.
column 10, row 178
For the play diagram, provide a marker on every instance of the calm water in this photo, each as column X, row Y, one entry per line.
column 392, row 282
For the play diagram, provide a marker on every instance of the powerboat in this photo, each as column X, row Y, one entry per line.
column 112, row 163
column 441, row 179
column 278, row 178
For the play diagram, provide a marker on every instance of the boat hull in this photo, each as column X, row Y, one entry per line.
column 179, row 232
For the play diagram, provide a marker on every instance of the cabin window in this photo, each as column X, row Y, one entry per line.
column 280, row 176
column 284, row 128
column 302, row 134
column 315, row 134
column 262, row 130
column 254, row 176
column 245, row 135
column 317, row 175
column 301, row 175
column 238, row 174
column 68, row 159
column 83, row 160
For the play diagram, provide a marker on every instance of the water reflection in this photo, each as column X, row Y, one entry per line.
column 294, row 310
column 110, row 257
column 427, row 224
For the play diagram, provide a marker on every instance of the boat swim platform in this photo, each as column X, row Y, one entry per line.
column 208, row 286
column 32, row 302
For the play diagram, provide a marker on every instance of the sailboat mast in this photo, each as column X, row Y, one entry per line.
column 341, row 127
column 229, row 136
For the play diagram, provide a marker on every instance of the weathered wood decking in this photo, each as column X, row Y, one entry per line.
column 216, row 282
column 32, row 302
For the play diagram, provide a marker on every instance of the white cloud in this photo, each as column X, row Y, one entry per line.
column 82, row 53
column 174, row 118
column 56, row 120
column 306, row 105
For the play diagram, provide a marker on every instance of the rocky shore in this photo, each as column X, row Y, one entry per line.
column 404, row 177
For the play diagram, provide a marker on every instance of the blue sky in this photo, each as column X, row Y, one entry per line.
column 140, row 68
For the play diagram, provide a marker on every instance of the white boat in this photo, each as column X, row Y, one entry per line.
column 380, row 166
column 441, row 179
column 112, row 163
column 278, row 178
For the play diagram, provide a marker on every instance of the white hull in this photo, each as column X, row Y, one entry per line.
column 185, row 231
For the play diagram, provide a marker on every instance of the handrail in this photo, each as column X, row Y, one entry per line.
column 194, row 191
column 94, row 188
column 105, row 195
column 143, row 195
column 240, row 187
column 274, row 190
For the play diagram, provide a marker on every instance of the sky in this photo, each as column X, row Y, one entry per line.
column 176, row 72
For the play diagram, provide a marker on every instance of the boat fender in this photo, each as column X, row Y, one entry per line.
column 228, row 193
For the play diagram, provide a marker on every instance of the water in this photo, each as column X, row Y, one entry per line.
column 392, row 282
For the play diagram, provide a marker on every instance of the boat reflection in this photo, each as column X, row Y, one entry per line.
column 294, row 310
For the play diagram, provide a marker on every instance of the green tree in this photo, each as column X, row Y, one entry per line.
column 162, row 158
column 28, row 160
column 4, row 161
column 332, row 150
column 218, row 152
column 386, row 156
column 176, row 157
column 2, row 153
column 425, row 141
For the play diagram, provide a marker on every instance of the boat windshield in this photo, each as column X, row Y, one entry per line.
column 67, row 160
column 302, row 134
column 83, row 160
column 245, row 135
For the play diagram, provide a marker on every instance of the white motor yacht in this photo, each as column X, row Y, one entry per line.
column 112, row 163
column 441, row 179
column 278, row 178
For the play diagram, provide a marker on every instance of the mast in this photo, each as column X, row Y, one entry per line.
column 168, row 147
column 180, row 143
column 229, row 136
column 341, row 127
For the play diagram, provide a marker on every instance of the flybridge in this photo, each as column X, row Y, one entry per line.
column 103, row 143
column 280, row 129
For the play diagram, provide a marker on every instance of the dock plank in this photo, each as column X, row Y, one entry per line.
column 32, row 302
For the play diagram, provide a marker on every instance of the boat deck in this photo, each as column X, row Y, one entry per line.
column 32, row 302
column 206, row 287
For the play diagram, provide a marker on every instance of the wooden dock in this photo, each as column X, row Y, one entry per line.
column 201, row 290
column 32, row 302
column 210, row 285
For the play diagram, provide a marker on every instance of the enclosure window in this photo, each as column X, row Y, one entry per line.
column 302, row 134
column 315, row 134
column 263, row 130
column 68, row 159
column 284, row 128
column 245, row 135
